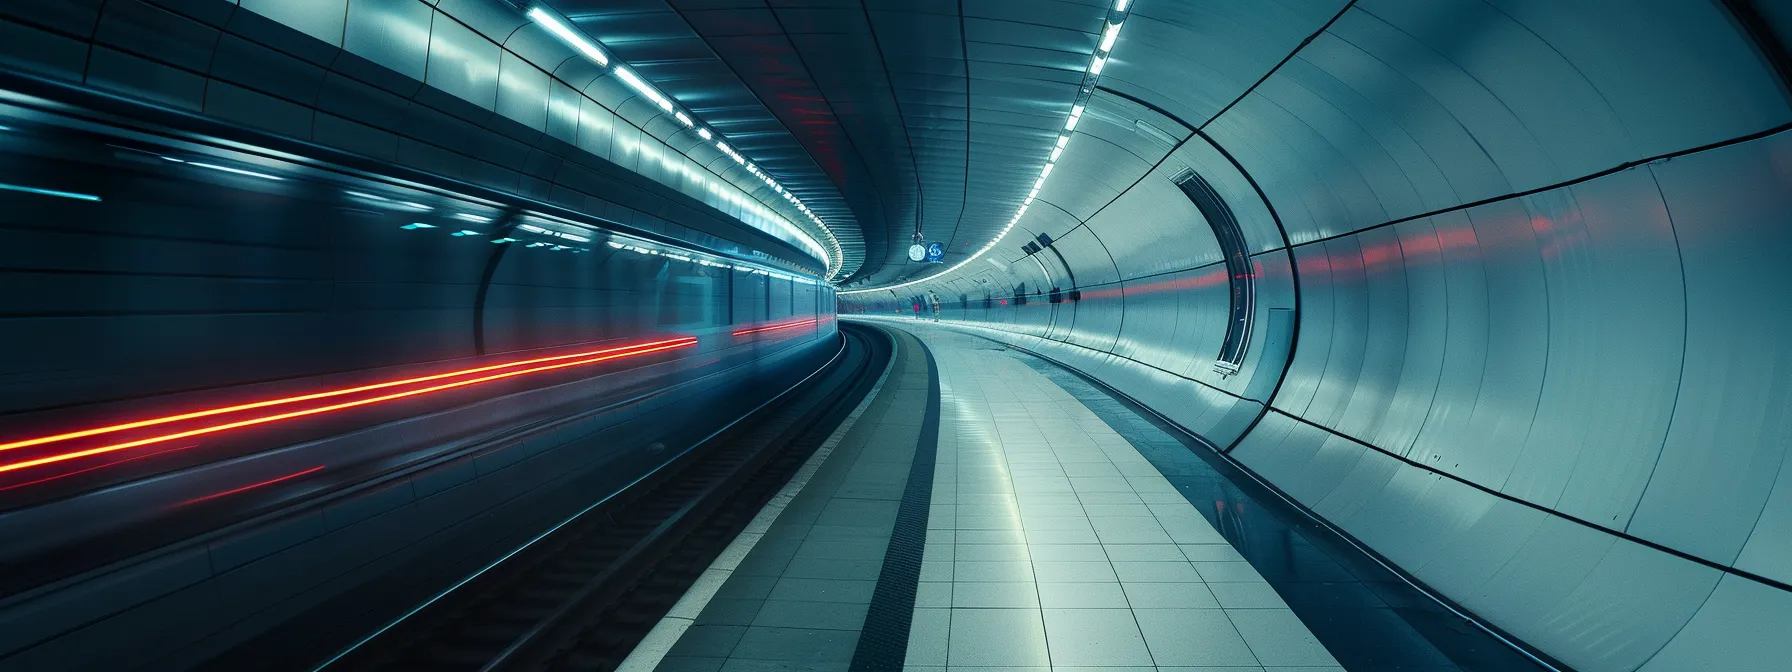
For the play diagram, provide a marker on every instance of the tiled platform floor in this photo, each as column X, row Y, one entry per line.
column 1053, row 543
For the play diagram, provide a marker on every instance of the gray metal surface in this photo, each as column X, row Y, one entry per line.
column 1538, row 248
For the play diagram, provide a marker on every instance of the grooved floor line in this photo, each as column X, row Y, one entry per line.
column 801, row 598
column 883, row 643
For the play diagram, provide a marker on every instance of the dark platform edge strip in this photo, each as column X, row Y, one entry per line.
column 883, row 643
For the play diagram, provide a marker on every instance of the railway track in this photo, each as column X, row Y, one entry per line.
column 582, row 595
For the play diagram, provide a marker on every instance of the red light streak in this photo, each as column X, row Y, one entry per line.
column 96, row 467
column 252, row 486
column 601, row 356
column 304, row 397
column 776, row 327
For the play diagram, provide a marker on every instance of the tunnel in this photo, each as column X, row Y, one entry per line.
column 1366, row 335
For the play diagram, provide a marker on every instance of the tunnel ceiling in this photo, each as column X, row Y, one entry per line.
column 877, row 113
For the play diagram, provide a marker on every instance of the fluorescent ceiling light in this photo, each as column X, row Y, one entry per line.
column 1063, row 140
column 1056, row 152
column 1048, row 170
column 1070, row 124
column 1076, row 110
column 704, row 133
column 1121, row 5
column 684, row 119
column 1107, row 39
column 567, row 35
column 1096, row 65
column 472, row 217
column 413, row 226
column 634, row 82
column 465, row 232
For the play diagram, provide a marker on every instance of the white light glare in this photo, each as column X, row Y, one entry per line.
column 1077, row 110
column 472, row 217
column 1107, row 40
column 1070, row 124
column 704, row 133
column 565, row 34
column 1048, row 171
column 634, row 82
column 238, row 171
column 1056, row 152
column 684, row 119
column 1121, row 5
column 1063, row 140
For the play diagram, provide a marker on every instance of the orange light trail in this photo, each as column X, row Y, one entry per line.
column 26, row 443
column 641, row 349
column 776, row 327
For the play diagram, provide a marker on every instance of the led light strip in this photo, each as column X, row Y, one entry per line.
column 578, row 42
column 578, row 359
column 1109, row 35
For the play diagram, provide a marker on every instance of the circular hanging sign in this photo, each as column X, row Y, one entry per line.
column 917, row 252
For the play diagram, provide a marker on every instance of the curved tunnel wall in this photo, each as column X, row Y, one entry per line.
column 1525, row 257
column 466, row 90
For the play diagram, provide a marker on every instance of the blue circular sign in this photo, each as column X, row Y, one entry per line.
column 935, row 251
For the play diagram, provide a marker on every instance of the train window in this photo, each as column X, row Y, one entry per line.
column 1238, row 268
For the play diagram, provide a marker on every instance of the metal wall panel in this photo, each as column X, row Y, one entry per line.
column 1301, row 381
column 1426, row 297
column 391, row 33
column 1732, row 422
column 1137, row 224
column 463, row 63
column 1684, row 79
column 320, row 19
column 1349, row 327
column 1200, row 318
column 1384, row 349
column 522, row 92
